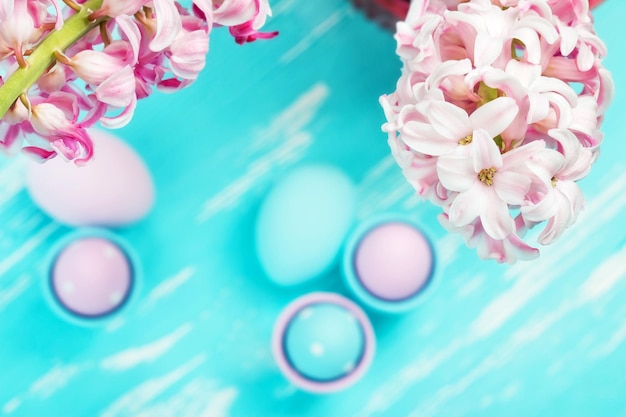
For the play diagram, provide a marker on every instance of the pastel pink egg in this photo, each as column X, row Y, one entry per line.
column 115, row 189
column 393, row 261
column 91, row 277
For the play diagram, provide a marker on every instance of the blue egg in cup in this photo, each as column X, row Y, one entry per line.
column 91, row 275
column 389, row 263
column 323, row 342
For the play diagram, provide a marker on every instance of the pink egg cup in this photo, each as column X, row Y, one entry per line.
column 394, row 297
column 317, row 386
column 56, row 302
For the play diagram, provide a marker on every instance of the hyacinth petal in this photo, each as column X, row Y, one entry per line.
column 511, row 187
column 447, row 68
column 542, row 27
column 569, row 38
column 495, row 218
column 524, row 72
column 522, row 250
column 545, row 164
column 539, row 108
column 59, row 14
column 486, row 49
column 129, row 28
column 544, row 84
column 94, row 66
column 520, row 155
column 585, row 58
column 456, row 173
column 577, row 160
column 189, row 54
column 235, row 12
column 6, row 9
column 606, row 92
column 532, row 46
column 169, row 23
column 570, row 146
column 554, row 228
column 38, row 154
column 114, row 8
column 449, row 120
column 74, row 145
column 466, row 208
column 562, row 108
column 542, row 210
column 574, row 195
column 422, row 138
column 123, row 118
column 511, row 84
column 495, row 116
column 485, row 152
column 206, row 7
column 47, row 119
column 118, row 89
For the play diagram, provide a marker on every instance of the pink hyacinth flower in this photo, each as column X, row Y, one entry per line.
column 129, row 49
column 485, row 121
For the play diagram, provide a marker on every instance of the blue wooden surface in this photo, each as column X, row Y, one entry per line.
column 542, row 338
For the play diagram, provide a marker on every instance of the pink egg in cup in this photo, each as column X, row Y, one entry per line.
column 91, row 276
column 389, row 263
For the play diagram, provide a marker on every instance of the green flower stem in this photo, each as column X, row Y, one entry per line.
column 43, row 56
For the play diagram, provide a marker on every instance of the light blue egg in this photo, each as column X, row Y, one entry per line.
column 324, row 342
column 303, row 222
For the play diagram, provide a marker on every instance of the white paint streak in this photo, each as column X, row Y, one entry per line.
column 292, row 149
column 287, row 126
column 132, row 357
column 11, row 405
column 419, row 369
column 115, row 324
column 377, row 172
column 26, row 248
column 11, row 293
column 169, row 285
column 605, row 276
column 220, row 403
column 382, row 187
column 280, row 8
column 615, row 340
column 285, row 391
column 53, row 380
column 500, row 310
column 131, row 403
column 470, row 286
column 294, row 118
column 199, row 397
column 315, row 33
column 433, row 402
column 447, row 248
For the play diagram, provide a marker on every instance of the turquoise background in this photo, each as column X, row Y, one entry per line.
column 546, row 338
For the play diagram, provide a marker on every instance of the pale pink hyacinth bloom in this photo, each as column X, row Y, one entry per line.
column 488, row 182
column 141, row 45
column 485, row 121
column 448, row 126
column 560, row 199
